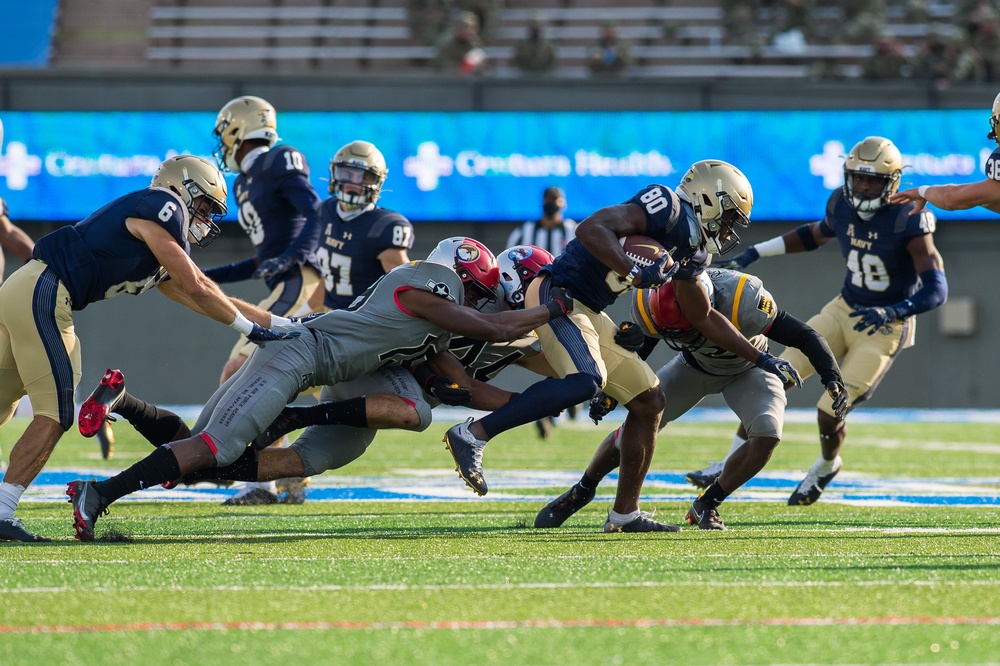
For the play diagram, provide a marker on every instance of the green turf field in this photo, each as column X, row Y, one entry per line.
column 468, row 581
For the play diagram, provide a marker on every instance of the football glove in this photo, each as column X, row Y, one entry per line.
column 656, row 275
column 742, row 260
column 600, row 405
column 785, row 371
column 269, row 268
column 841, row 403
column 630, row 336
column 876, row 317
column 560, row 302
column 260, row 335
column 447, row 391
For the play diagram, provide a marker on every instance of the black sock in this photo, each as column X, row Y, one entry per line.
column 159, row 466
column 588, row 483
column 714, row 495
column 343, row 412
column 244, row 469
column 157, row 425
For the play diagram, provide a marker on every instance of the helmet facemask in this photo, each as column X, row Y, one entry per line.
column 518, row 265
column 994, row 120
column 357, row 174
column 203, row 190
column 720, row 232
column 878, row 161
column 475, row 265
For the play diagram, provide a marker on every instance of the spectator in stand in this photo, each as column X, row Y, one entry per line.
column 978, row 57
column 609, row 55
column 934, row 59
column 534, row 54
column 739, row 22
column 428, row 20
column 488, row 12
column 462, row 52
column 863, row 22
column 889, row 62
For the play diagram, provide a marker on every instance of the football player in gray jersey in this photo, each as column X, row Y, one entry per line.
column 703, row 368
column 405, row 316
column 391, row 397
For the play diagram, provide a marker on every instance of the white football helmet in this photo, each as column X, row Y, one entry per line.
column 517, row 266
column 241, row 119
column 874, row 157
column 196, row 181
column 722, row 199
column 994, row 120
column 475, row 265
column 362, row 165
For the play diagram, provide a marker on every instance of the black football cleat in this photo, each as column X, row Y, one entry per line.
column 705, row 517
column 88, row 505
column 468, row 454
column 560, row 509
column 703, row 478
column 12, row 529
column 813, row 485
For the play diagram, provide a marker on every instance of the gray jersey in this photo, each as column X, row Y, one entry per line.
column 742, row 299
column 375, row 331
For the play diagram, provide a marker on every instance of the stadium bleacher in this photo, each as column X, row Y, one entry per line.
column 670, row 39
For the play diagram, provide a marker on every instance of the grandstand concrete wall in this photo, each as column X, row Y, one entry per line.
column 170, row 355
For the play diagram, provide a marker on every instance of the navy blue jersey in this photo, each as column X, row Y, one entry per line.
column 99, row 257
column 348, row 251
column 668, row 220
column 992, row 168
column 277, row 206
column 880, row 270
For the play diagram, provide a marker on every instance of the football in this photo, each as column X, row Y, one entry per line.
column 642, row 250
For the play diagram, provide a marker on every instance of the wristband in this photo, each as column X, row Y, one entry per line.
column 922, row 191
column 633, row 274
column 771, row 248
column 280, row 321
column 242, row 324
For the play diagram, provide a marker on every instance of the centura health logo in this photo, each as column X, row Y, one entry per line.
column 829, row 164
column 17, row 165
column 429, row 165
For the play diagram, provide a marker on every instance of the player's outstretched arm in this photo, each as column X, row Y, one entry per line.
column 984, row 193
column 494, row 327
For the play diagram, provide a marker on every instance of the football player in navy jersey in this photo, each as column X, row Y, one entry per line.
column 985, row 193
column 701, row 218
column 360, row 241
column 277, row 208
column 894, row 272
column 129, row 246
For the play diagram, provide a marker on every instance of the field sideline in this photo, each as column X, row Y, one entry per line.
column 394, row 559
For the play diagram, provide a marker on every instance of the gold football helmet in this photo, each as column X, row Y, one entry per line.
column 722, row 199
column 874, row 157
column 243, row 118
column 361, row 165
column 202, row 188
column 994, row 119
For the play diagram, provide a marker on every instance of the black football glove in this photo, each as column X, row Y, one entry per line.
column 876, row 317
column 260, row 335
column 785, row 371
column 841, row 403
column 600, row 405
column 274, row 266
column 560, row 302
column 447, row 391
column 740, row 261
column 630, row 336
column 657, row 274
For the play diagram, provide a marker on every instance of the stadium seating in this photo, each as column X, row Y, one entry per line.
column 670, row 38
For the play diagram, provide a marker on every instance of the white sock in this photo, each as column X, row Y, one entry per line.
column 822, row 466
column 10, row 495
column 622, row 518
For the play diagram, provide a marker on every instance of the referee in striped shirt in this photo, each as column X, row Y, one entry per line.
column 552, row 232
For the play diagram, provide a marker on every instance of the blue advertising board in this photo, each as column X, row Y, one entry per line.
column 483, row 166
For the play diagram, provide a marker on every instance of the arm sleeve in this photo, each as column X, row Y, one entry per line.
column 241, row 270
column 933, row 293
column 792, row 332
column 306, row 202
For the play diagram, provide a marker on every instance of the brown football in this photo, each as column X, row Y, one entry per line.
column 643, row 250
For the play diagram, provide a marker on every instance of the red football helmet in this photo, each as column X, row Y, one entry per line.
column 670, row 322
column 518, row 265
column 475, row 265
